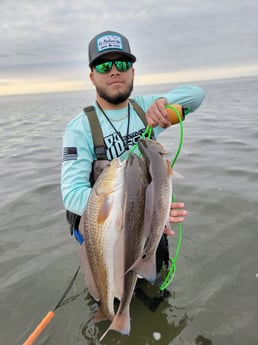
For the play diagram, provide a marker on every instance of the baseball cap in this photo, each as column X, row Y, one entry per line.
column 109, row 42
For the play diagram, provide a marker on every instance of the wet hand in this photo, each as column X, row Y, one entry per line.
column 157, row 115
column 177, row 215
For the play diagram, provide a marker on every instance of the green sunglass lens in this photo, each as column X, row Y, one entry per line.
column 120, row 65
column 123, row 66
column 105, row 67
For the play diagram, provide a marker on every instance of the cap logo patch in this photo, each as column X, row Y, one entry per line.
column 109, row 42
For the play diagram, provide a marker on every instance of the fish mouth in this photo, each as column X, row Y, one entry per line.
column 144, row 143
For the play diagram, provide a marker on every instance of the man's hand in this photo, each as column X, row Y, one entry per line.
column 177, row 214
column 157, row 115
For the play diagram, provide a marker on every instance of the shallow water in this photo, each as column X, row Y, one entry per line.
column 214, row 295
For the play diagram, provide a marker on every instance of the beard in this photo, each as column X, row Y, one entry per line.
column 119, row 98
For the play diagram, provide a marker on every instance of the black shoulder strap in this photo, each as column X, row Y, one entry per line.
column 97, row 135
column 140, row 112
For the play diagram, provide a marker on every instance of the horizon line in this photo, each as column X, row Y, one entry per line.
column 46, row 86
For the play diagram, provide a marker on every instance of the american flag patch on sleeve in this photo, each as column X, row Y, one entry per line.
column 70, row 154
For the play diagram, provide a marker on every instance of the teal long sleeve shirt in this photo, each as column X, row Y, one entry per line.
column 78, row 148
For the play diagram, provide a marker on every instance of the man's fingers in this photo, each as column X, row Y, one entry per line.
column 169, row 232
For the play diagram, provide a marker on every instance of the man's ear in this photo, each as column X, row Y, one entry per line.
column 91, row 75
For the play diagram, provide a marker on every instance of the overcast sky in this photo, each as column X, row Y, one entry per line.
column 43, row 44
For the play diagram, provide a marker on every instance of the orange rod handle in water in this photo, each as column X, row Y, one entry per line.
column 43, row 324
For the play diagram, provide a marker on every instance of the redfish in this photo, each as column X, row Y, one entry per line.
column 102, row 225
column 157, row 206
column 136, row 181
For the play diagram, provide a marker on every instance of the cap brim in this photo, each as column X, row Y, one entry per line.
column 131, row 57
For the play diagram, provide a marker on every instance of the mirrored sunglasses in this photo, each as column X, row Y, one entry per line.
column 121, row 66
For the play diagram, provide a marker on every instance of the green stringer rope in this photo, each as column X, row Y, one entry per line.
column 172, row 270
column 147, row 134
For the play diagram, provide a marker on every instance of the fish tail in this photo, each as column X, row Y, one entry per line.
column 145, row 267
column 120, row 323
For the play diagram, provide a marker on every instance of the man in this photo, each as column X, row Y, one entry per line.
column 112, row 73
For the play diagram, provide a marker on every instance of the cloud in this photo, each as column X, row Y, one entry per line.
column 166, row 36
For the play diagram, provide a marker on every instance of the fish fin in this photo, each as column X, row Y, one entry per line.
column 119, row 251
column 169, row 168
column 176, row 174
column 104, row 210
column 88, row 275
column 120, row 218
column 145, row 267
column 120, row 323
